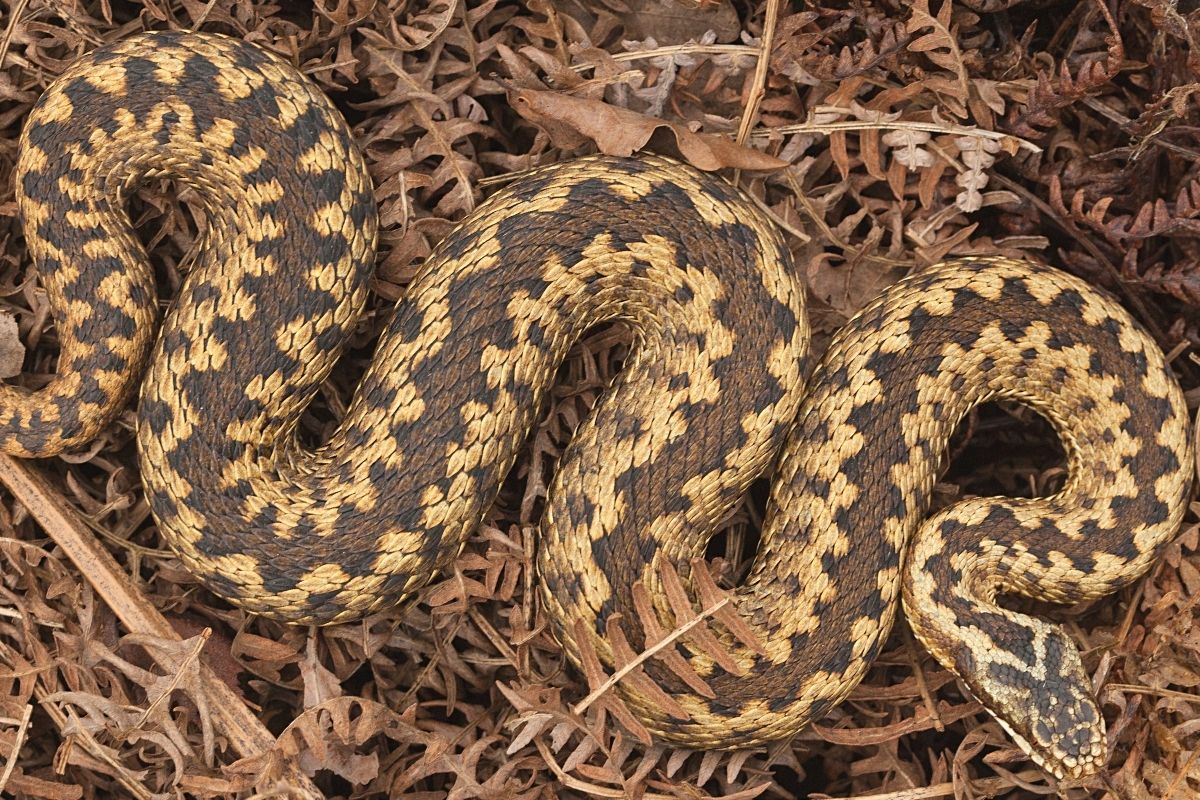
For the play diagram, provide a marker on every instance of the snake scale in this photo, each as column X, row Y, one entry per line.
column 713, row 395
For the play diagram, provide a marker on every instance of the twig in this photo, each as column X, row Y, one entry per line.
column 1181, row 776
column 246, row 734
column 17, row 10
column 85, row 739
column 778, row 218
column 918, row 793
column 494, row 637
column 198, row 20
column 806, row 205
column 1133, row 688
column 922, row 687
column 350, row 62
column 1127, row 622
column 758, row 86
column 987, row 787
column 675, row 49
column 12, row 613
column 175, row 680
column 11, row 763
column 1126, row 125
column 1138, row 305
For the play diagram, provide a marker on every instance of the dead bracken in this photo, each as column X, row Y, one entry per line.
column 1060, row 132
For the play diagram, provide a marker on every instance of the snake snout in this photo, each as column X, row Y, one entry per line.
column 1046, row 707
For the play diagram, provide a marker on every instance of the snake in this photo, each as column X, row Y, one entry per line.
column 718, row 389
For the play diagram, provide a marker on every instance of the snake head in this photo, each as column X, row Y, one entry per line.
column 1031, row 679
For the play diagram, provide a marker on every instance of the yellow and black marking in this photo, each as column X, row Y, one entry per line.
column 851, row 493
column 711, row 393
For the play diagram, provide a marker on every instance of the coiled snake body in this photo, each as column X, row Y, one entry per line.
column 713, row 390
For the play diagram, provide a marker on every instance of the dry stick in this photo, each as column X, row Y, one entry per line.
column 18, row 740
column 920, row 793
column 12, row 613
column 990, row 786
column 246, row 734
column 1133, row 688
column 84, row 738
column 1141, row 311
column 17, row 11
column 758, row 87
column 675, row 49
column 1181, row 776
column 1126, row 124
column 165, row 695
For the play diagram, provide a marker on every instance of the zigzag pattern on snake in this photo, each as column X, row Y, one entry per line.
column 712, row 396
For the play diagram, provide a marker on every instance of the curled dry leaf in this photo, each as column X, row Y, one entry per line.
column 572, row 122
column 421, row 26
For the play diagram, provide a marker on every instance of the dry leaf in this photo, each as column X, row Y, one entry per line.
column 572, row 122
column 319, row 683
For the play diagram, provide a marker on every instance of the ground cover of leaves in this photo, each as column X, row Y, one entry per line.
column 896, row 133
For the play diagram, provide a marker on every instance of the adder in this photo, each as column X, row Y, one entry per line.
column 713, row 395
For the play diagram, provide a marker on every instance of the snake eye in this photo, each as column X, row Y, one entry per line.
column 1039, row 694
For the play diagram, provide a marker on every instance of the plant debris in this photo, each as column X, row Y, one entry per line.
column 881, row 137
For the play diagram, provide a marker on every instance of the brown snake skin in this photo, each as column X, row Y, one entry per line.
column 712, row 396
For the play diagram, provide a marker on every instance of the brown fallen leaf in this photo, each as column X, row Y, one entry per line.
column 572, row 122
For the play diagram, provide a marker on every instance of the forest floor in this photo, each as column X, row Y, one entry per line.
column 881, row 137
